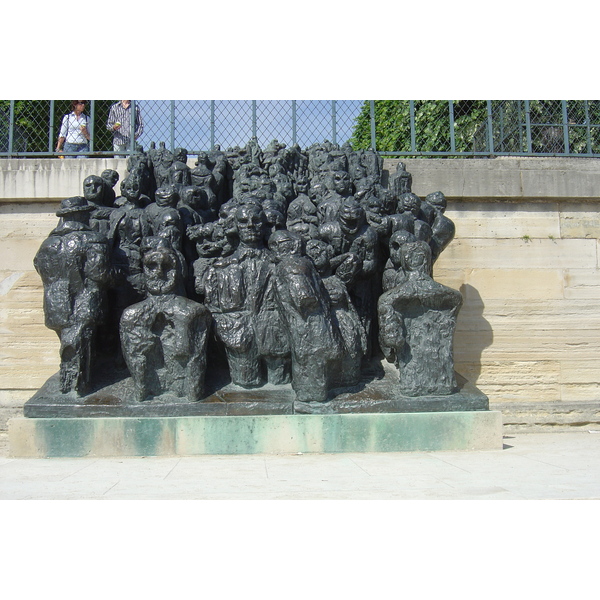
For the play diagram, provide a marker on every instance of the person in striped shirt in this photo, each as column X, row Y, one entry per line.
column 119, row 122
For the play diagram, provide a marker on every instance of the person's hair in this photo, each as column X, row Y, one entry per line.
column 74, row 103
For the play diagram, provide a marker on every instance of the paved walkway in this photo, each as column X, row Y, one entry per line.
column 531, row 466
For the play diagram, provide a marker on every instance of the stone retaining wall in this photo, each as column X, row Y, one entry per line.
column 526, row 258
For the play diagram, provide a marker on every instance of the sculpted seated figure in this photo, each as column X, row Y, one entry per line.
column 239, row 293
column 417, row 319
column 164, row 336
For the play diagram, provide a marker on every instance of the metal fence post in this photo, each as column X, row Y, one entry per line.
column 293, row 122
column 333, row 122
column 451, row 114
column 172, row 125
column 92, row 119
column 51, row 128
column 413, row 133
column 11, row 126
column 132, row 127
column 490, row 127
column 528, row 125
column 212, row 124
column 588, row 129
column 565, row 118
column 253, row 118
column 373, row 129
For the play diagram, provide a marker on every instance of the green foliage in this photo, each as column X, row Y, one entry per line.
column 431, row 125
column 511, row 123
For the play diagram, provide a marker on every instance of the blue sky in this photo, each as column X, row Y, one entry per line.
column 233, row 122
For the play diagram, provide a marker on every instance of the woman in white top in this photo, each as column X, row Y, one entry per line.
column 74, row 133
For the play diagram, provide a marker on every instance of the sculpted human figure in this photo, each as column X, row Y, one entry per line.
column 344, row 315
column 282, row 181
column 314, row 338
column 221, row 171
column 237, row 290
column 74, row 266
column 110, row 178
column 164, row 336
column 393, row 273
column 179, row 173
column 167, row 197
column 203, row 178
column 443, row 229
column 302, row 212
column 339, row 187
column 400, row 181
column 94, row 191
column 356, row 259
column 407, row 217
column 162, row 169
column 128, row 225
column 417, row 319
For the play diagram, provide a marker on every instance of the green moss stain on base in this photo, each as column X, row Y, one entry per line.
column 265, row 434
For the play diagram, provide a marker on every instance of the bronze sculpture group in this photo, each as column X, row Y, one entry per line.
column 284, row 266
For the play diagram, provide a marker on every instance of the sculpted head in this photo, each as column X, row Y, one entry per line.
column 250, row 223
column 339, row 182
column 437, row 199
column 285, row 243
column 320, row 253
column 416, row 256
column 93, row 189
column 409, row 202
column 397, row 241
column 167, row 196
column 160, row 266
column 351, row 216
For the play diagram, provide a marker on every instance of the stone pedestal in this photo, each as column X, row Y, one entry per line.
column 254, row 434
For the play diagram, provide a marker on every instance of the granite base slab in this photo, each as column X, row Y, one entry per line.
column 376, row 393
column 258, row 434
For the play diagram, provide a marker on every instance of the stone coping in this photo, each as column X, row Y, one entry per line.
column 508, row 178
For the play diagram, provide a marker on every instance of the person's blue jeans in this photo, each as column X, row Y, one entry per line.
column 76, row 148
column 121, row 148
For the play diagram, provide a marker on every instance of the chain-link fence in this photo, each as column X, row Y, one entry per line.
column 32, row 128
column 471, row 128
column 540, row 127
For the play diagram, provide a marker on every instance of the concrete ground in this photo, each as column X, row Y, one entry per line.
column 561, row 465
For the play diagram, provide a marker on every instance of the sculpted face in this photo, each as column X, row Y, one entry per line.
column 316, row 250
column 160, row 270
column 352, row 216
column 250, row 222
column 438, row 200
column 341, row 183
column 410, row 203
column 131, row 188
column 167, row 196
column 93, row 188
column 416, row 256
column 397, row 242
column 285, row 243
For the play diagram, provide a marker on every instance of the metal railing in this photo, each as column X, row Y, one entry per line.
column 466, row 128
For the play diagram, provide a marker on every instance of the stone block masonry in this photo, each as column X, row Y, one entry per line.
column 525, row 257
